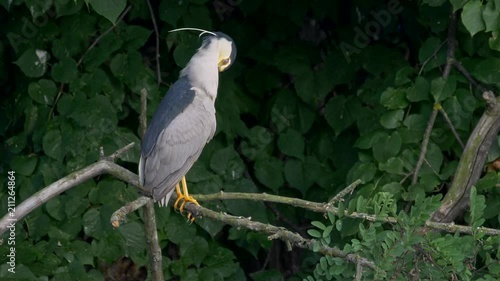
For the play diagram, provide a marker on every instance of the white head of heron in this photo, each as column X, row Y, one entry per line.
column 216, row 54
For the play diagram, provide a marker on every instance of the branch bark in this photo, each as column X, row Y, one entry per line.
column 471, row 163
column 150, row 226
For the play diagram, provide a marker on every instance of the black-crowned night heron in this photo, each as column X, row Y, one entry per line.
column 184, row 122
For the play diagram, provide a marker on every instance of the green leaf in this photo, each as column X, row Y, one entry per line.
column 487, row 70
column 52, row 144
column 92, row 224
column 37, row 7
column 314, row 233
column 65, row 71
column 313, row 86
column 267, row 275
column 494, row 41
column 394, row 98
column 434, row 3
column 291, row 143
column 269, row 171
column 491, row 15
column 319, row 225
column 393, row 166
column 342, row 112
column 458, row 4
column 472, row 17
column 418, row 91
column 109, row 9
column 227, row 163
column 136, row 36
column 171, row 11
column 388, row 147
column 44, row 91
column 363, row 171
column 134, row 241
column 442, row 89
column 392, row 119
column 296, row 175
column 477, row 206
column 403, row 74
column 24, row 165
column 55, row 209
column 33, row 63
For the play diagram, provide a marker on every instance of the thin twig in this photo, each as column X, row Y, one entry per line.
column 359, row 271
column 120, row 215
column 468, row 76
column 450, row 124
column 157, row 35
column 425, row 142
column 450, row 54
column 275, row 232
column 349, row 189
column 103, row 34
column 150, row 226
column 431, row 57
column 120, row 151
column 60, row 92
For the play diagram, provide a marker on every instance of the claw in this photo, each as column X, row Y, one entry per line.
column 185, row 198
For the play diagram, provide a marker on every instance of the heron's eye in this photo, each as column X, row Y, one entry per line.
column 224, row 61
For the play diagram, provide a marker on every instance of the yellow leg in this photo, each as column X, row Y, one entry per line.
column 179, row 195
column 185, row 197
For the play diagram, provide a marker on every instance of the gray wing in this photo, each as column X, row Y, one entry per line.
column 177, row 146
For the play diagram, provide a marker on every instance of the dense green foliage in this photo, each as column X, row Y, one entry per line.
column 322, row 93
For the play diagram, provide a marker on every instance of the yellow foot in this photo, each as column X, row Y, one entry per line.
column 184, row 197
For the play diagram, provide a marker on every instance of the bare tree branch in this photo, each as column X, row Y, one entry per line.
column 71, row 180
column 157, row 36
column 125, row 12
column 155, row 257
column 425, row 143
column 450, row 56
column 452, row 128
column 471, row 163
column 277, row 233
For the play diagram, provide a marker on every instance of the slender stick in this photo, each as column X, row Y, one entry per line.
column 155, row 257
column 157, row 36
